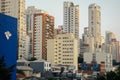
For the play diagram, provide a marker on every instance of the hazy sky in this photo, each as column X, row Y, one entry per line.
column 110, row 12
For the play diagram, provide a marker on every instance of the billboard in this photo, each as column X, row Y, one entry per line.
column 8, row 41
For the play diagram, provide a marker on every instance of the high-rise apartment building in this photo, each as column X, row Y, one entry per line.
column 95, row 24
column 85, row 36
column 16, row 8
column 84, row 42
column 63, row 50
column 27, row 55
column 7, row 7
column 30, row 11
column 43, row 29
column 110, row 37
column 112, row 46
column 71, row 18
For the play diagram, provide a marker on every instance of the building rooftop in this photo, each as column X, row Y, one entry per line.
column 25, row 68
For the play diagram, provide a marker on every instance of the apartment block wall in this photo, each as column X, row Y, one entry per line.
column 43, row 30
column 63, row 50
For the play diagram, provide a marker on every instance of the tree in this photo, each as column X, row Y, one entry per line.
column 20, row 72
column 61, row 71
column 80, row 58
column 112, row 75
column 117, row 73
column 32, row 59
column 100, row 77
column 5, row 72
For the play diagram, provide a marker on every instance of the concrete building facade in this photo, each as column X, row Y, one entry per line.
column 17, row 11
column 27, row 55
column 30, row 11
column 40, row 27
column 63, row 50
column 43, row 29
column 71, row 18
column 95, row 24
column 99, row 57
column 112, row 46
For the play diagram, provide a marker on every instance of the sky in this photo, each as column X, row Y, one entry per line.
column 110, row 13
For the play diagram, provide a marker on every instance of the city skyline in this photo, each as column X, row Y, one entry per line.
column 109, row 22
column 45, row 41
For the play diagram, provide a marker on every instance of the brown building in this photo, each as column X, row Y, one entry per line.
column 43, row 30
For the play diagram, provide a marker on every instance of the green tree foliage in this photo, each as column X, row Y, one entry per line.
column 5, row 72
column 100, row 78
column 112, row 75
column 20, row 72
column 80, row 60
column 61, row 70
column 32, row 59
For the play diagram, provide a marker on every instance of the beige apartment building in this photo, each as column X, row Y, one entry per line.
column 95, row 24
column 16, row 8
column 63, row 50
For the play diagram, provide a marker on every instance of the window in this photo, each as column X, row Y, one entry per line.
column 59, row 38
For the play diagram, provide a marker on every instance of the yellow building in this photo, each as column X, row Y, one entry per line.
column 63, row 50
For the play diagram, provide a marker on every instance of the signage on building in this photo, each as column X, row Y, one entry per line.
column 8, row 41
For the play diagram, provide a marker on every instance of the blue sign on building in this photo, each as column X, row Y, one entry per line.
column 8, row 41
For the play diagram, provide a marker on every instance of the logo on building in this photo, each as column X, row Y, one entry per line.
column 8, row 35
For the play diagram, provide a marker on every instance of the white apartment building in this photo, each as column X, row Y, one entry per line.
column 88, row 57
column 63, row 50
column 37, row 36
column 85, row 36
column 16, row 8
column 112, row 46
column 109, row 37
column 99, row 57
column 71, row 18
column 102, row 40
column 30, row 11
column 27, row 55
column 84, row 42
column 95, row 24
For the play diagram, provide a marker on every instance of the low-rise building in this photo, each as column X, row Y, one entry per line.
column 39, row 66
column 26, row 69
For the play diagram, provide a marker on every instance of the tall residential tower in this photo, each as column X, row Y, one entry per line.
column 16, row 8
column 43, row 29
column 71, row 18
column 95, row 24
